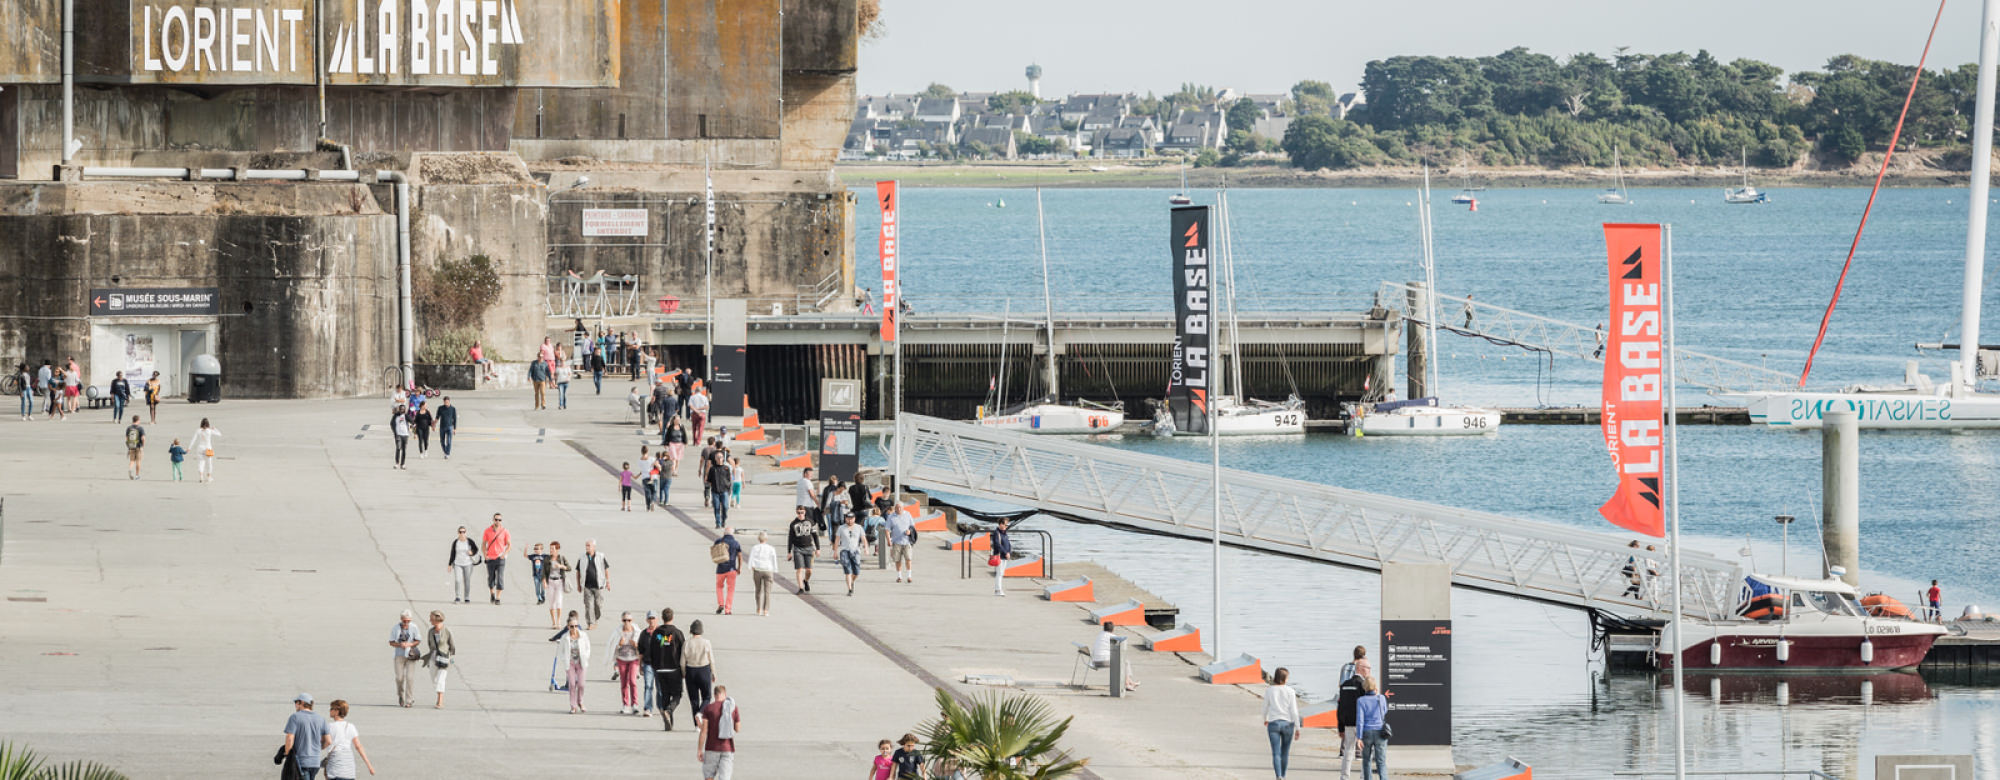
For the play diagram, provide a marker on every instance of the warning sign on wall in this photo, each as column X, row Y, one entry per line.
column 615, row 223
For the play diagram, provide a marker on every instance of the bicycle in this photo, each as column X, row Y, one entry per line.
column 10, row 385
column 392, row 380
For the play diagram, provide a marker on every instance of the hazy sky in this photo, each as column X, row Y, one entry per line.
column 1268, row 45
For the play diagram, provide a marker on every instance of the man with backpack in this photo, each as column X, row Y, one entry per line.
column 1351, row 691
column 727, row 555
column 135, row 442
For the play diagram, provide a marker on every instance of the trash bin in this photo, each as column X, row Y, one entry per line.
column 205, row 380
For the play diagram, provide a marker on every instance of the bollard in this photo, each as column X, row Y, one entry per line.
column 1840, row 488
column 1118, row 667
column 882, row 547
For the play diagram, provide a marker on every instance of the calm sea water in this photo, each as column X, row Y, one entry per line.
column 1751, row 284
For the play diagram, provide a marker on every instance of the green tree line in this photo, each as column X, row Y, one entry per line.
column 1523, row 108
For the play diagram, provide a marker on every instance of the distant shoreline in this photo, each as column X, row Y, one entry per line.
column 1077, row 174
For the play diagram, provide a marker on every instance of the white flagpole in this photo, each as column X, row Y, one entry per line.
column 708, row 260
column 896, row 320
column 1673, row 493
column 1214, row 424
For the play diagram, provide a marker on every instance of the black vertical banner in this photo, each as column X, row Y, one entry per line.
column 725, row 381
column 839, row 444
column 1188, row 381
column 1416, row 676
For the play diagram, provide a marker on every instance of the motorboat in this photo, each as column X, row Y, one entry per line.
column 1046, row 416
column 1789, row 623
column 1422, row 417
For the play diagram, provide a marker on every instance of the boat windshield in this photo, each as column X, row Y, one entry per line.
column 1829, row 603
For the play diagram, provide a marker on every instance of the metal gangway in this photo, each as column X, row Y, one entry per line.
column 1532, row 331
column 1528, row 559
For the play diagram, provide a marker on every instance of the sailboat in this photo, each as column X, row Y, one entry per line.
column 1236, row 415
column 1615, row 196
column 1047, row 415
column 1465, row 194
column 1181, row 198
column 1424, row 416
column 1745, row 193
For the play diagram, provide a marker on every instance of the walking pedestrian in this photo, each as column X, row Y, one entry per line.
column 463, row 556
column 717, row 486
column 561, row 371
column 1631, row 571
column 574, row 649
column 557, row 572
column 1373, row 711
column 175, row 454
column 1936, row 598
column 908, row 760
column 675, row 441
column 1281, row 718
column 665, row 652
column 882, row 767
column 648, row 476
column 625, row 655
column 735, row 481
column 593, row 579
column 58, row 408
column 341, row 743
column 902, row 537
column 763, row 571
column 497, row 542
column 727, row 554
column 665, row 403
column 698, row 664
column 702, row 467
column 1003, row 548
column 135, row 445
column 442, row 652
column 849, row 543
column 399, row 427
column 802, row 491
column 28, row 386
column 153, row 398
column 719, row 722
column 649, row 693
column 664, row 482
column 72, row 384
column 538, row 570
column 596, row 363
column 538, row 375
column 447, row 424
column 404, row 639
column 834, row 508
column 420, row 424
column 802, row 544
column 1346, row 710
column 698, row 410
column 303, row 731
column 625, row 486
column 121, row 392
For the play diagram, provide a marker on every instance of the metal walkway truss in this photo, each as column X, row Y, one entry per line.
column 1528, row 559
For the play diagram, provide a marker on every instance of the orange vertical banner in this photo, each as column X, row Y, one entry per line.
column 885, row 194
column 1634, row 382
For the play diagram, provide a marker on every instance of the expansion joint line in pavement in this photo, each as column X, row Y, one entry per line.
column 867, row 637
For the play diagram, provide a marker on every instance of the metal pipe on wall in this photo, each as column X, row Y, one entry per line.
column 68, row 80
column 406, row 321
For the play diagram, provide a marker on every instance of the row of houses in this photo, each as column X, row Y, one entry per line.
column 912, row 126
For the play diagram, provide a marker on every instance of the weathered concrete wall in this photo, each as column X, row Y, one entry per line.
column 818, row 109
column 473, row 204
column 723, row 78
column 306, row 274
column 823, row 36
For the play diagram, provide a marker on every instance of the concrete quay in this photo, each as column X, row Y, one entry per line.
column 162, row 627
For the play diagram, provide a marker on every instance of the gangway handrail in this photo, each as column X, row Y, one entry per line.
column 1525, row 558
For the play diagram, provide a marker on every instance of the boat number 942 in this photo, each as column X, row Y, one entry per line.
column 1475, row 421
column 1287, row 420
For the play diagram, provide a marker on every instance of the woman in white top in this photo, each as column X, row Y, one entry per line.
column 1281, row 719
column 763, row 569
column 203, row 445
column 574, row 649
column 340, row 744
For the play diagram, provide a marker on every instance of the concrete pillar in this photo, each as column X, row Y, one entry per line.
column 1118, row 674
column 1840, row 492
column 1417, row 356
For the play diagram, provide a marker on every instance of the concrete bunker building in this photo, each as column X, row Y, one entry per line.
column 492, row 109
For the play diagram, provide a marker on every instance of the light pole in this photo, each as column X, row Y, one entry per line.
column 1785, row 554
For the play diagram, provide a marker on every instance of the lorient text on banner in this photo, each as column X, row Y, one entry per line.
column 1634, row 379
column 1189, row 374
column 885, row 194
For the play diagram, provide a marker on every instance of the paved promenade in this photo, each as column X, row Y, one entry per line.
column 163, row 627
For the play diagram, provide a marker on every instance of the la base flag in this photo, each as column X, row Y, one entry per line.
column 885, row 193
column 1633, row 379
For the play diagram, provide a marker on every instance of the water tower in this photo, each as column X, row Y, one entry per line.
column 1035, row 81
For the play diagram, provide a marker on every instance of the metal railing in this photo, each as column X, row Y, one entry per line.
column 1488, row 552
column 1533, row 331
column 1045, row 543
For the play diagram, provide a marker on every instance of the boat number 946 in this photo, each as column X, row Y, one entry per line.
column 1287, row 420
column 1475, row 421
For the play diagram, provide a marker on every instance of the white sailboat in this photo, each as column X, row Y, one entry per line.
column 1236, row 415
column 1745, row 193
column 1181, row 198
column 1917, row 403
column 1615, row 196
column 1424, row 416
column 1047, row 415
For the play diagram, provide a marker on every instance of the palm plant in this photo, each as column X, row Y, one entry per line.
column 1000, row 739
column 17, row 762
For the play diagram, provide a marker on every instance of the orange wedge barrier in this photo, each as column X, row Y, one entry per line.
column 1078, row 590
column 1026, row 567
column 933, row 523
column 801, row 461
column 1130, row 613
column 1509, row 769
column 911, row 509
column 750, row 418
column 875, row 495
column 1326, row 717
column 1186, row 639
column 973, row 542
column 750, row 434
column 774, row 449
column 1241, row 670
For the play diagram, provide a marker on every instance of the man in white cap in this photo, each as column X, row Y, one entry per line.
column 302, row 735
column 404, row 638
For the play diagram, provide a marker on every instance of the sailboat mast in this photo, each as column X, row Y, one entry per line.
column 1048, row 302
column 1982, row 171
column 1673, row 492
column 1006, row 351
column 1430, row 286
column 1229, row 293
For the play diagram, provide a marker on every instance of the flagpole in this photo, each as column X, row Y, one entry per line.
column 1214, row 421
column 708, row 261
column 1673, row 490
column 894, row 308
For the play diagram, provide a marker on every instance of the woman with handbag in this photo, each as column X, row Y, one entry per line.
column 442, row 653
column 203, row 444
column 1003, row 548
column 574, row 649
column 557, row 571
column 1373, row 712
